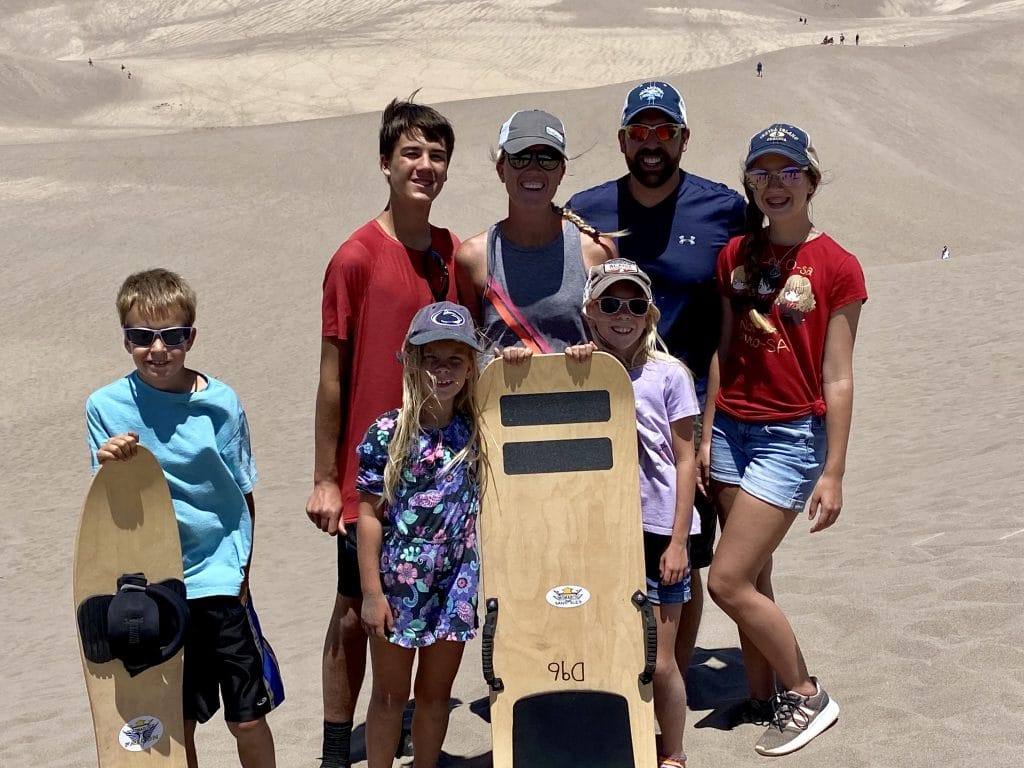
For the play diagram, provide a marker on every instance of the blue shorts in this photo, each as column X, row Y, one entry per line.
column 778, row 462
column 657, row 592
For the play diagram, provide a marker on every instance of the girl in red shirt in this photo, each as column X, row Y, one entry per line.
column 780, row 397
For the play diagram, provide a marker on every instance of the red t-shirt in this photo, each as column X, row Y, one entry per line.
column 373, row 287
column 778, row 376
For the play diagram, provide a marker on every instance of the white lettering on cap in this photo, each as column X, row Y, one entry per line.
column 651, row 93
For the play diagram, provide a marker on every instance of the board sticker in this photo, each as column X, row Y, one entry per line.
column 568, row 596
column 141, row 733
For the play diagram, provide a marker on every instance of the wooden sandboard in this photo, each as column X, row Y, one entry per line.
column 565, row 645
column 128, row 525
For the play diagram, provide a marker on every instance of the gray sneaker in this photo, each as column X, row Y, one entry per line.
column 797, row 720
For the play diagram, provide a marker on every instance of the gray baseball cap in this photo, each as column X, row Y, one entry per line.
column 530, row 127
column 443, row 321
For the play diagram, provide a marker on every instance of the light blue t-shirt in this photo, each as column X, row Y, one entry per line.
column 664, row 393
column 201, row 440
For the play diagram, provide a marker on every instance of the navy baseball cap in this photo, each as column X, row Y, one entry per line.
column 529, row 128
column 443, row 321
column 786, row 140
column 654, row 95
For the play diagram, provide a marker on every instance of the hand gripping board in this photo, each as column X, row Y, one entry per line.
column 128, row 526
column 567, row 652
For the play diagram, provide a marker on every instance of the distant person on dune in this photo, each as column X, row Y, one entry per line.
column 759, row 69
column 945, row 252
column 856, row 39
column 842, row 38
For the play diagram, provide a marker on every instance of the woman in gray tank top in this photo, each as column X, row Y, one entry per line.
column 523, row 278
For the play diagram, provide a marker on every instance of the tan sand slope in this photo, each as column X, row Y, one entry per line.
column 909, row 609
column 211, row 62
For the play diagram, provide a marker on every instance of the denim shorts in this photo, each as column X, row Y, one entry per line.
column 778, row 462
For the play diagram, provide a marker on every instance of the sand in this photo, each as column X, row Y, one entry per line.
column 209, row 162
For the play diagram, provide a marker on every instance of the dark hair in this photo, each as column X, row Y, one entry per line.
column 755, row 243
column 405, row 116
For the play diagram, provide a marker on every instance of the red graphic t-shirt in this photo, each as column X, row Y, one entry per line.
column 778, row 376
column 372, row 288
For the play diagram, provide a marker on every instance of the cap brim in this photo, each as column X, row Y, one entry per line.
column 419, row 339
column 514, row 146
column 676, row 118
column 787, row 152
column 610, row 280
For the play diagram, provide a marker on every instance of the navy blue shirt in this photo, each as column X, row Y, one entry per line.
column 677, row 243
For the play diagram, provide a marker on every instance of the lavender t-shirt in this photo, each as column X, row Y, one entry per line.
column 664, row 393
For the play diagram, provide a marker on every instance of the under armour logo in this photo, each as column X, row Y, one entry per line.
column 687, row 239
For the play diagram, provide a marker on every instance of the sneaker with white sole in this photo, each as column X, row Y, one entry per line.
column 797, row 720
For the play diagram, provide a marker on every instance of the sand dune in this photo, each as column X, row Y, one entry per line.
column 909, row 608
column 213, row 63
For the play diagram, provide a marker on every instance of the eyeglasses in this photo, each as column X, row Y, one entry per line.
column 612, row 305
column 171, row 337
column 444, row 280
column 549, row 161
column 664, row 131
column 788, row 177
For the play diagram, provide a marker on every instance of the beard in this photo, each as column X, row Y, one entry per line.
column 656, row 176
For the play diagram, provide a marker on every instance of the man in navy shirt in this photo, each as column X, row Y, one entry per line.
column 677, row 222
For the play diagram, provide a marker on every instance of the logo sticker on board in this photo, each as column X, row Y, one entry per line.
column 141, row 733
column 568, row 596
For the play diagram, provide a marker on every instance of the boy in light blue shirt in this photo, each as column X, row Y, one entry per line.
column 196, row 428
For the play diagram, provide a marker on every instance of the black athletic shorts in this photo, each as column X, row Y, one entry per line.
column 225, row 655
column 702, row 546
column 349, row 584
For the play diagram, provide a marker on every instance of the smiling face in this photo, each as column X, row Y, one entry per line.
column 652, row 162
column 622, row 332
column 532, row 186
column 445, row 368
column 781, row 202
column 160, row 366
column 417, row 168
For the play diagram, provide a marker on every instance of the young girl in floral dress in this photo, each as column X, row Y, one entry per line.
column 419, row 500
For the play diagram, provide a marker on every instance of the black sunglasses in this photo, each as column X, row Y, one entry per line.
column 171, row 337
column 444, row 280
column 611, row 305
column 547, row 160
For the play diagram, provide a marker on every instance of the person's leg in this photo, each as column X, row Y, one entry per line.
column 669, row 689
column 344, row 657
column 190, row 744
column 438, row 665
column 255, row 743
column 392, row 674
column 701, row 554
column 760, row 675
column 750, row 535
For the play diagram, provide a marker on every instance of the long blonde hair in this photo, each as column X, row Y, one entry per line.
column 408, row 424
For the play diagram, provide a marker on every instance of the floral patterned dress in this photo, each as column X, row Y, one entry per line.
column 429, row 566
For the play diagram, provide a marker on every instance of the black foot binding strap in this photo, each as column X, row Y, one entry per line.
column 142, row 624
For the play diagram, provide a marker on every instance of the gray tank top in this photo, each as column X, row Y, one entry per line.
column 534, row 292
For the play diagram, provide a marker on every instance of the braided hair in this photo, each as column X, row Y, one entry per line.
column 755, row 245
column 582, row 225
